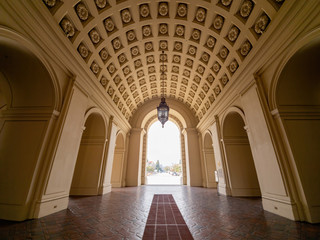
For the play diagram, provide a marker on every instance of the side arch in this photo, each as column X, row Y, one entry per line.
column 209, row 160
column 295, row 101
column 89, row 164
column 10, row 37
column 118, row 160
column 240, row 167
column 309, row 38
column 30, row 104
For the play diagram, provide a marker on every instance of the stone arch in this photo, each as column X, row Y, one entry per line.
column 88, row 172
column 15, row 50
column 295, row 102
column 29, row 105
column 240, row 169
column 307, row 40
column 190, row 139
column 147, row 125
column 118, row 160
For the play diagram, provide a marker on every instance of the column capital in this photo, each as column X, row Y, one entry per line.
column 137, row 130
column 189, row 130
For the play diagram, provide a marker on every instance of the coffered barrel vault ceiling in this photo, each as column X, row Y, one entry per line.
column 204, row 43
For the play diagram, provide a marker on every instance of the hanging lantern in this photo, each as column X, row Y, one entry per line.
column 163, row 111
column 163, row 108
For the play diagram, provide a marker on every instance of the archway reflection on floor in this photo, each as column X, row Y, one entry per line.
column 164, row 155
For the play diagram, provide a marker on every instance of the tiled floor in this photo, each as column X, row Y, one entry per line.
column 122, row 214
column 165, row 220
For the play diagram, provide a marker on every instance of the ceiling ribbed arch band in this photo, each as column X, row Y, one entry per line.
column 205, row 44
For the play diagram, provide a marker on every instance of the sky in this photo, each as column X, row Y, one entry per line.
column 164, row 143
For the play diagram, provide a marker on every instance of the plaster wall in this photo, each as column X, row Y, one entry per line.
column 118, row 162
column 298, row 119
column 87, row 171
column 209, row 161
column 57, row 187
column 243, row 177
column 135, row 157
column 193, row 157
column 274, row 193
column 109, row 158
column 223, row 188
column 21, row 142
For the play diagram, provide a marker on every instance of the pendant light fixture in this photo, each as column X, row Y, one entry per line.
column 163, row 108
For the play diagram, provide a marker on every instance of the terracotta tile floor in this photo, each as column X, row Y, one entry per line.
column 122, row 214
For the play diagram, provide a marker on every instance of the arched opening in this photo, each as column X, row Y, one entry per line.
column 118, row 162
column 209, row 161
column 240, row 165
column 298, row 103
column 27, row 102
column 164, row 163
column 87, row 173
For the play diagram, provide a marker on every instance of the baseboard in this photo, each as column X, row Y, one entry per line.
column 313, row 214
column 50, row 206
column 13, row 212
column 211, row 185
column 84, row 191
column 116, row 185
column 223, row 190
column 245, row 192
column 281, row 208
column 105, row 189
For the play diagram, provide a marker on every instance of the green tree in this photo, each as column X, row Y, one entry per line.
column 158, row 168
column 176, row 168
column 150, row 169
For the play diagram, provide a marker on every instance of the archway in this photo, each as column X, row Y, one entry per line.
column 240, row 165
column 298, row 103
column 118, row 162
column 184, row 118
column 87, row 173
column 27, row 114
column 209, row 161
column 164, row 163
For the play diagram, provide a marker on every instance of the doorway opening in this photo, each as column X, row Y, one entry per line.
column 164, row 165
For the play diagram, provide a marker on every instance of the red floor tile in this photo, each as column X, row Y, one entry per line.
column 165, row 216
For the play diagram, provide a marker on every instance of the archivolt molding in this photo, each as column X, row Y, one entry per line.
column 177, row 109
column 233, row 109
column 98, row 111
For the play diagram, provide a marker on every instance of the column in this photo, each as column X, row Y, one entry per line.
column 134, row 161
column 218, row 149
column 193, row 161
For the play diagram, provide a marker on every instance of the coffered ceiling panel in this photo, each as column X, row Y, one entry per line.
column 202, row 43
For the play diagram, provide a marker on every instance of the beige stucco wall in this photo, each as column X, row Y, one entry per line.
column 89, row 163
column 209, row 161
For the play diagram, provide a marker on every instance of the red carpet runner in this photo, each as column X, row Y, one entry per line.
column 165, row 220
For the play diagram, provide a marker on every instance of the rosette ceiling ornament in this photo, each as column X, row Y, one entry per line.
column 163, row 109
column 204, row 46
